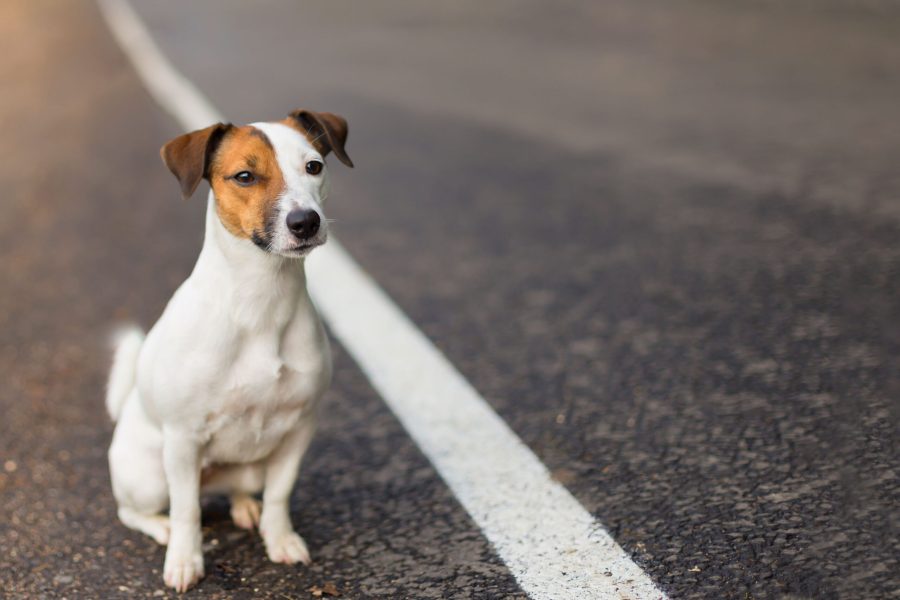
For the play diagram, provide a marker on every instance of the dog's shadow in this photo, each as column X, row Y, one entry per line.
column 215, row 510
column 233, row 555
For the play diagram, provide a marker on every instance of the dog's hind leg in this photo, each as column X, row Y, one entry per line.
column 138, row 479
column 246, row 480
column 240, row 482
column 245, row 511
column 156, row 526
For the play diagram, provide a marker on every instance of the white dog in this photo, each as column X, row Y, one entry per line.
column 222, row 394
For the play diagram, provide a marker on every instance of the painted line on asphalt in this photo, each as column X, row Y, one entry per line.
column 550, row 543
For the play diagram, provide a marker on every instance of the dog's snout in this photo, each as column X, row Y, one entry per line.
column 304, row 222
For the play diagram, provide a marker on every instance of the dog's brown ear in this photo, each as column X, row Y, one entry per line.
column 326, row 131
column 188, row 156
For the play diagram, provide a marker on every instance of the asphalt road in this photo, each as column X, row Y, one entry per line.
column 663, row 242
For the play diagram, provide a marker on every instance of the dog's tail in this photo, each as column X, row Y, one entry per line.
column 127, row 342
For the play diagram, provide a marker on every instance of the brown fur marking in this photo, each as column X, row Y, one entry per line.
column 245, row 210
column 327, row 132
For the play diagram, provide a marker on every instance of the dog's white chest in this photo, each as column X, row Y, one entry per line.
column 262, row 398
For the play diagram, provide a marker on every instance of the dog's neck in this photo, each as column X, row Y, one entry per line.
column 258, row 288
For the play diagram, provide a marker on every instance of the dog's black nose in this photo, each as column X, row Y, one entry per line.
column 303, row 222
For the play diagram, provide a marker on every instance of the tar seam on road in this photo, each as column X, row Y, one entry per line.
column 551, row 544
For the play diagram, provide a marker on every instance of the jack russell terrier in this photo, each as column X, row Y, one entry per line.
column 221, row 396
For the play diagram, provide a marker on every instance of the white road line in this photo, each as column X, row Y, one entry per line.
column 550, row 543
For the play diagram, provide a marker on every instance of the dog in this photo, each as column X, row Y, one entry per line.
column 222, row 394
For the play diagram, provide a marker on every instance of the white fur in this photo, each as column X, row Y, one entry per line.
column 127, row 342
column 302, row 190
column 231, row 374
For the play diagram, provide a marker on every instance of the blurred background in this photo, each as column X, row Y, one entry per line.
column 661, row 238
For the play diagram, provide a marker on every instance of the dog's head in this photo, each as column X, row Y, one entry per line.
column 269, row 180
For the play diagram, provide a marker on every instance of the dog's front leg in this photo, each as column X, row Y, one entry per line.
column 283, row 545
column 184, row 557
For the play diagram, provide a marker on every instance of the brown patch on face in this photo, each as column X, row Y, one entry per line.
column 246, row 210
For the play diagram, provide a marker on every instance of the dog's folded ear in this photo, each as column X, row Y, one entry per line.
column 188, row 156
column 326, row 131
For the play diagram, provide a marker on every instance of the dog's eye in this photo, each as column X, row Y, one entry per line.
column 244, row 178
column 314, row 167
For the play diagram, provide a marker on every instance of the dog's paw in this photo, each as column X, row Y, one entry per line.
column 245, row 511
column 182, row 570
column 288, row 548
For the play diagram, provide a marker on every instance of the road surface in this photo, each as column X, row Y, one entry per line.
column 663, row 243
